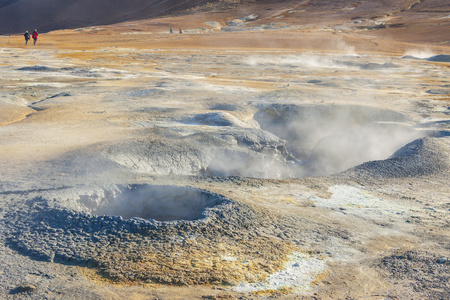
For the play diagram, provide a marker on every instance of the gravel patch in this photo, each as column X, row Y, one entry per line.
column 425, row 273
column 422, row 157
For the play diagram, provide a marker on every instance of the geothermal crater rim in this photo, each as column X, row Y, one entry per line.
column 72, row 226
column 327, row 139
column 150, row 202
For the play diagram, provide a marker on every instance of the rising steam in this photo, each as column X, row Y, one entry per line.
column 330, row 139
column 420, row 53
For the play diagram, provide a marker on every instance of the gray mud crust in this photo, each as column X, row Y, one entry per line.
column 162, row 151
column 282, row 141
column 423, row 157
column 179, row 252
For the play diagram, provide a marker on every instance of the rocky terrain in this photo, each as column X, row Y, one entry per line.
column 273, row 150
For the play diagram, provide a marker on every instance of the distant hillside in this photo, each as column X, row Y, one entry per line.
column 16, row 16
column 4, row 3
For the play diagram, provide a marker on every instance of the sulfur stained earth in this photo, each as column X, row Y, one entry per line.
column 246, row 158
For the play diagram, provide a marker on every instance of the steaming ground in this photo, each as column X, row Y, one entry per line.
column 285, row 174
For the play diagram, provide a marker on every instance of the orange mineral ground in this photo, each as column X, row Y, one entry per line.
column 269, row 150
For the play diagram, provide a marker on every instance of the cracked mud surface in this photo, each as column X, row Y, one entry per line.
column 172, row 172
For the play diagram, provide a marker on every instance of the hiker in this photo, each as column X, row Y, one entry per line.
column 171, row 30
column 27, row 37
column 34, row 35
column 181, row 31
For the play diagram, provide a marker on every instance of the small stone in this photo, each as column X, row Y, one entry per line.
column 25, row 288
column 441, row 261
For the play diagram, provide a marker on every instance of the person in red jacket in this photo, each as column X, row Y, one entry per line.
column 34, row 35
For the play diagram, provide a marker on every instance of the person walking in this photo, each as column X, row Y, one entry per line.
column 34, row 35
column 27, row 37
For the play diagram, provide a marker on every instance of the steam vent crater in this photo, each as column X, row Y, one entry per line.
column 160, row 203
column 90, row 225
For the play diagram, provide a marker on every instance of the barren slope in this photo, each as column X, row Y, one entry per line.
column 46, row 15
